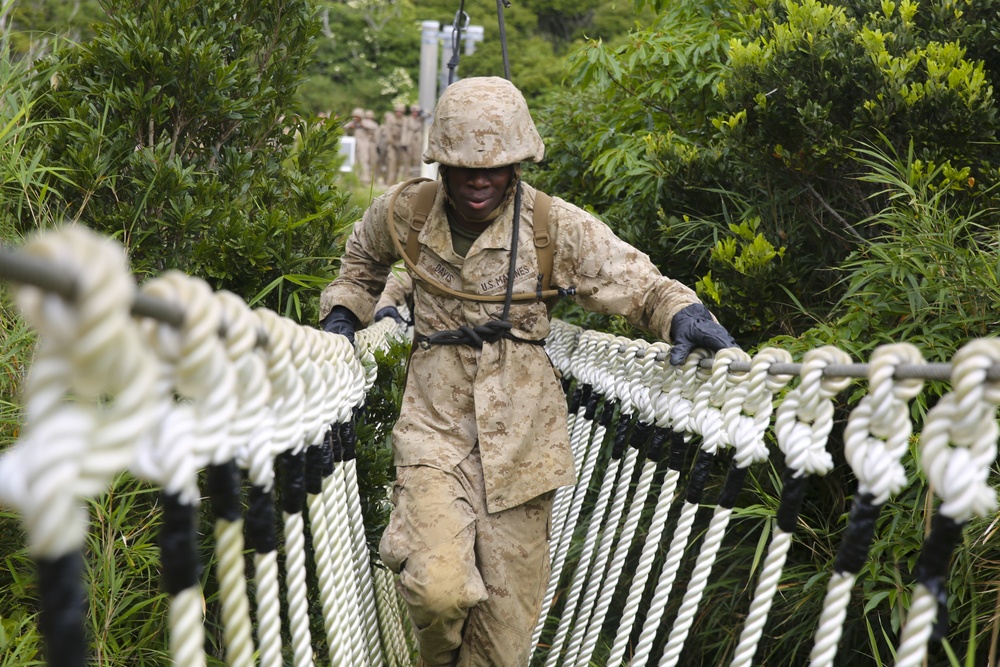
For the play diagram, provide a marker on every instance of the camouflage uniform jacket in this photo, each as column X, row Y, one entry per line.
column 506, row 395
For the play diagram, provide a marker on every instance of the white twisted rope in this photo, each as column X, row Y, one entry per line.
column 631, row 386
column 722, row 378
column 692, row 377
column 88, row 396
column 122, row 380
column 338, row 498
column 257, row 456
column 379, row 335
column 323, row 542
column 580, row 429
column 363, row 623
column 561, row 543
column 583, row 564
column 875, row 439
column 252, row 392
column 390, row 620
column 366, row 622
column 598, row 597
column 570, row 345
column 197, row 367
column 669, row 378
column 88, row 351
column 98, row 403
column 965, row 418
column 803, row 423
column 289, row 436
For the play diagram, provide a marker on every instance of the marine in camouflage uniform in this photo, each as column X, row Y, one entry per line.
column 363, row 131
column 395, row 128
column 414, row 139
column 481, row 441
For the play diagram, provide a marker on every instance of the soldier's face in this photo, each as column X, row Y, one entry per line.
column 476, row 192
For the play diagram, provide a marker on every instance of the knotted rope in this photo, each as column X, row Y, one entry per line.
column 88, row 397
column 875, row 439
column 803, row 423
column 966, row 419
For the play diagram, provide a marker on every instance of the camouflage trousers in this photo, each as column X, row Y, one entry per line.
column 473, row 581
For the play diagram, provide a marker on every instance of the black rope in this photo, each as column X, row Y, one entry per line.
column 576, row 399
column 678, row 451
column 223, row 482
column 655, row 452
column 503, row 37
column 593, row 399
column 489, row 332
column 858, row 536
column 348, row 441
column 293, row 481
column 314, row 470
column 625, row 422
column 793, row 491
column 607, row 413
column 178, row 545
column 456, row 40
column 63, row 603
column 640, row 434
column 515, row 226
column 326, row 462
column 259, row 531
column 735, row 479
column 932, row 566
column 699, row 474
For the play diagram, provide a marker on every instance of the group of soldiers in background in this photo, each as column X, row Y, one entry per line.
column 390, row 152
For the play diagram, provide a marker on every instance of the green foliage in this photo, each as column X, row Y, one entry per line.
column 369, row 51
column 367, row 55
column 126, row 604
column 374, row 455
column 931, row 277
column 34, row 26
column 182, row 140
column 758, row 113
column 747, row 282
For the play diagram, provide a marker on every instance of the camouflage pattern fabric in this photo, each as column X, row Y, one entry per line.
column 473, row 580
column 505, row 397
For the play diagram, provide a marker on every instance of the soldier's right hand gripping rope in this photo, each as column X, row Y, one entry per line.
column 341, row 321
column 693, row 327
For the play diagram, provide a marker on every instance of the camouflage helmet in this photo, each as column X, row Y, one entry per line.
column 358, row 112
column 482, row 122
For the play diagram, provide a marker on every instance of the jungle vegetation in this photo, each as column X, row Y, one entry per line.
column 821, row 171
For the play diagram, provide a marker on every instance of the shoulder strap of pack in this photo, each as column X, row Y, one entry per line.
column 421, row 209
column 543, row 240
column 419, row 213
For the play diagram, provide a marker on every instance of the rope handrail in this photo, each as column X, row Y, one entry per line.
column 18, row 268
column 199, row 381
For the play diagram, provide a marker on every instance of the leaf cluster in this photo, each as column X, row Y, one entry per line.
column 182, row 139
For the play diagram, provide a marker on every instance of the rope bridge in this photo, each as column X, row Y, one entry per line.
column 174, row 383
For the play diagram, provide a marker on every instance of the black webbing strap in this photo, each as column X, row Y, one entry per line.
column 490, row 332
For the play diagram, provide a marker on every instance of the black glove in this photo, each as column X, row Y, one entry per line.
column 341, row 320
column 389, row 311
column 693, row 327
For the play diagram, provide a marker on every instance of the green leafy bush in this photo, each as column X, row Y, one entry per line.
column 182, row 140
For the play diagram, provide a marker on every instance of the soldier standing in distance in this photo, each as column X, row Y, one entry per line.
column 382, row 143
column 397, row 148
column 415, row 140
column 372, row 156
column 481, row 442
column 363, row 139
